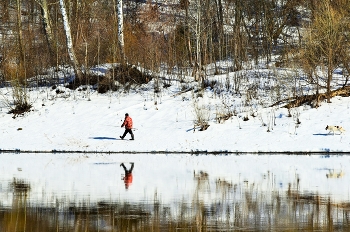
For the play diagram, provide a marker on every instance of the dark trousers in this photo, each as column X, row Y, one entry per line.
column 128, row 131
column 126, row 170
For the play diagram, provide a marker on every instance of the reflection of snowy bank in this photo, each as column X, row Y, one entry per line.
column 172, row 178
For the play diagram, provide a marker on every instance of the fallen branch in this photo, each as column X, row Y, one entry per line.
column 181, row 92
column 313, row 99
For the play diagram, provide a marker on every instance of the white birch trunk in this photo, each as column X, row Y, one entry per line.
column 198, row 43
column 121, row 28
column 47, row 26
column 70, row 47
column 188, row 36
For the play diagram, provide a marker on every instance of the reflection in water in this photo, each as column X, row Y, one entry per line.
column 127, row 175
column 241, row 207
column 16, row 217
column 215, row 203
column 335, row 174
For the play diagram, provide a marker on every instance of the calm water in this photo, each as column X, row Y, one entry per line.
column 177, row 192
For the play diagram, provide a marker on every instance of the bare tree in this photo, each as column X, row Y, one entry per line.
column 47, row 27
column 69, row 41
column 196, row 26
column 20, row 37
column 239, row 37
column 326, row 39
column 184, row 4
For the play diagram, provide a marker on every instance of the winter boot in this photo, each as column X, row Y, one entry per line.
column 132, row 137
column 121, row 137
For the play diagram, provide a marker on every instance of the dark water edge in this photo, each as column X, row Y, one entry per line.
column 192, row 152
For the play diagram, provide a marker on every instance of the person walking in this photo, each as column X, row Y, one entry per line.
column 128, row 127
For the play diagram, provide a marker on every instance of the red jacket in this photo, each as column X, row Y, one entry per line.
column 127, row 123
column 128, row 180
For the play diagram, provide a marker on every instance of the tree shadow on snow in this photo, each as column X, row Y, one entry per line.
column 103, row 138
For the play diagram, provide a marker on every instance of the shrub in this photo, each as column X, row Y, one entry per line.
column 202, row 117
column 128, row 74
column 20, row 97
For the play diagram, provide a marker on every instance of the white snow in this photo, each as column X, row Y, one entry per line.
column 71, row 122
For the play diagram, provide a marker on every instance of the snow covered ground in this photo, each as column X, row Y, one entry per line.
column 88, row 121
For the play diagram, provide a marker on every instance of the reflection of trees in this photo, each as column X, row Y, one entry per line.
column 19, row 203
column 15, row 219
column 238, row 206
column 199, row 209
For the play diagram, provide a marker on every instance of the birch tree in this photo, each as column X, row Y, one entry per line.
column 198, row 31
column 119, row 10
column 70, row 47
column 194, row 23
column 47, row 27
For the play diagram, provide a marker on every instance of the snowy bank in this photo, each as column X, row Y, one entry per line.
column 75, row 121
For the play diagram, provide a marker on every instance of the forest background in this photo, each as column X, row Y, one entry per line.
column 182, row 37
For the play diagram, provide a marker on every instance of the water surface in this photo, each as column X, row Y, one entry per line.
column 173, row 192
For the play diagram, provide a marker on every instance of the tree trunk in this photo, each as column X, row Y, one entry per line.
column 313, row 99
column 70, row 47
column 47, row 28
column 198, row 42
column 188, row 34
column 20, row 36
column 220, row 23
column 237, row 46
column 329, row 76
column 121, row 29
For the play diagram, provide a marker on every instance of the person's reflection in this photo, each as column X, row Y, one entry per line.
column 128, row 175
